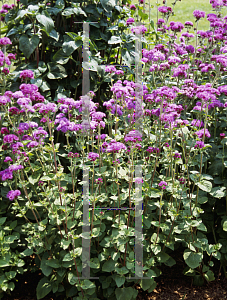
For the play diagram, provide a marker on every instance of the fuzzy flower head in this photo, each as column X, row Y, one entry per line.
column 201, row 132
column 27, row 74
column 130, row 21
column 139, row 29
column 222, row 135
column 13, row 194
column 198, row 14
column 162, row 185
column 93, row 156
column 5, row 41
column 99, row 180
column 199, row 144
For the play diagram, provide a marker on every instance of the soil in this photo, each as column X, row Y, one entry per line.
column 171, row 285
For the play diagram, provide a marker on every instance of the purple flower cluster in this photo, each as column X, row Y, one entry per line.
column 162, row 185
column 27, row 74
column 13, row 194
column 200, row 133
column 198, row 14
column 93, row 156
column 115, row 147
column 5, row 41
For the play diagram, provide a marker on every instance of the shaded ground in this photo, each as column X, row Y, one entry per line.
column 171, row 285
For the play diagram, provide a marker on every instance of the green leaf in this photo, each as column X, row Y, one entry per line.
column 205, row 185
column 126, row 293
column 43, row 288
column 202, row 200
column 115, row 40
column 94, row 263
column 108, row 266
column 5, row 261
column 108, row 5
column 162, row 257
column 60, row 4
column 142, row 15
column 170, row 262
column 122, row 271
column 146, row 284
column 218, row 192
column 225, row 226
column 34, row 178
column 26, row 252
column 54, row 35
column 87, row 284
column 28, row 45
column 54, row 263
column 72, row 278
column 47, row 177
column 209, row 276
column 56, row 71
column 46, row 21
column 45, row 268
column 192, row 259
column 119, row 279
column 70, row 46
column 60, row 57
column 2, row 220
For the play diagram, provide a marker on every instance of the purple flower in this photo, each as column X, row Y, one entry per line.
column 5, row 71
column 7, row 158
column 199, row 144
column 176, row 26
column 180, row 71
column 10, row 138
column 164, row 9
column 130, row 21
column 132, row 7
column 4, row 100
column 138, row 180
column 13, row 194
column 46, row 108
column 177, row 155
column 162, row 185
column 198, row 14
column 15, row 168
column 114, row 146
column 93, row 156
column 200, row 133
column 6, row 174
column 27, row 74
column 182, row 180
column 110, row 69
column 222, row 135
column 190, row 49
column 188, row 23
column 197, row 123
column 133, row 136
column 102, row 136
column 5, row 41
column 32, row 144
column 139, row 29
column 99, row 180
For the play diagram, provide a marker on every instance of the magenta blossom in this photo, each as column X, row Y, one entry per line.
column 162, row 185
column 93, row 156
column 13, row 195
column 26, row 74
column 198, row 14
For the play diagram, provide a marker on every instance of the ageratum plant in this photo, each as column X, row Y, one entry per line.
column 181, row 149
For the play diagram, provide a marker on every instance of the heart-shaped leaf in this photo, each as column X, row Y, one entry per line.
column 28, row 45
